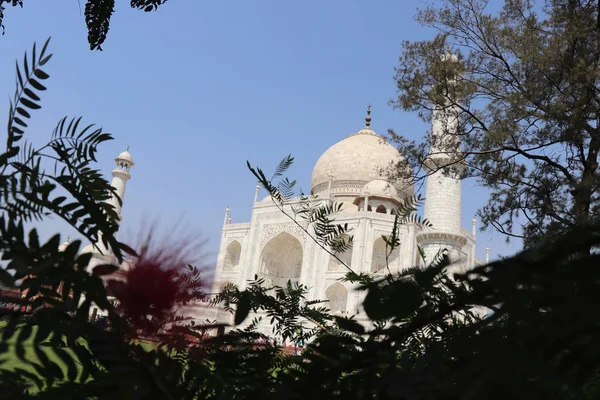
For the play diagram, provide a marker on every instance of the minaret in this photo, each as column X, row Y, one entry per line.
column 101, row 254
column 121, row 175
column 443, row 196
column 256, row 192
column 226, row 216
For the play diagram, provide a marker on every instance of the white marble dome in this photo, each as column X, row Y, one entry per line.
column 64, row 245
column 126, row 156
column 380, row 188
column 99, row 248
column 357, row 160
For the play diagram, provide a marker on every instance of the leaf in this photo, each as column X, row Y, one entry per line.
column 105, row 269
column 40, row 74
column 125, row 248
column 33, row 54
column 6, row 279
column 34, row 242
column 243, row 308
column 10, row 328
column 97, row 18
column 22, row 112
column 42, row 333
column 37, row 85
column 19, row 77
column 25, row 333
column 396, row 300
column 44, row 48
column 20, row 350
column 56, row 202
column 45, row 59
column 68, row 361
column 31, row 94
column 29, row 104
column 18, row 131
column 350, row 325
column 25, row 66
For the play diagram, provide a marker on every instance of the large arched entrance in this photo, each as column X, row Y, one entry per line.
column 345, row 258
column 281, row 260
column 379, row 264
column 337, row 295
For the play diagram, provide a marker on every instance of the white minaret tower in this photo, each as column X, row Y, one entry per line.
column 121, row 174
column 120, row 177
column 101, row 254
column 443, row 197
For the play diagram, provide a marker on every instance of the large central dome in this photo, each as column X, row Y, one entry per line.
column 353, row 162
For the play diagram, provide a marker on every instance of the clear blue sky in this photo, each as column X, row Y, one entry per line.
column 198, row 87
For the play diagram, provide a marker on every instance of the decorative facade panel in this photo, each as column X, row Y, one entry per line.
column 270, row 231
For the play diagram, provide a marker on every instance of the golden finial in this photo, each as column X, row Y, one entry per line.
column 368, row 118
column 127, row 149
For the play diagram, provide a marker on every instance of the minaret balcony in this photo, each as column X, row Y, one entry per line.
column 445, row 236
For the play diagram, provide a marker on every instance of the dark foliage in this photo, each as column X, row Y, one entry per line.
column 525, row 86
column 425, row 336
column 97, row 16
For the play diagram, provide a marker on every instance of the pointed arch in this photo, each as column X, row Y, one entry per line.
column 379, row 264
column 281, row 260
column 232, row 256
column 345, row 257
column 381, row 209
column 337, row 295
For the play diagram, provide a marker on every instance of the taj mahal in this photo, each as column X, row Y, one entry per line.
column 352, row 173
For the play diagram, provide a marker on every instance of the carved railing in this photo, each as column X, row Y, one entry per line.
column 240, row 225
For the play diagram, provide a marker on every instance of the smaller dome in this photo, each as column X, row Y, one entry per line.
column 380, row 188
column 125, row 156
column 99, row 248
column 449, row 57
column 64, row 246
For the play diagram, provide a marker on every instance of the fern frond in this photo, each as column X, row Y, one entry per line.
column 25, row 98
column 283, row 166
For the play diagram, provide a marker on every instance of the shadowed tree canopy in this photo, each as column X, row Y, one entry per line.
column 525, row 80
column 97, row 16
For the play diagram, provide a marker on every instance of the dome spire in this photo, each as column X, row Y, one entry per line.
column 368, row 117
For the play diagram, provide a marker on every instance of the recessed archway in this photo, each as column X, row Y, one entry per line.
column 381, row 209
column 281, row 260
column 379, row 263
column 337, row 295
column 345, row 257
column 232, row 256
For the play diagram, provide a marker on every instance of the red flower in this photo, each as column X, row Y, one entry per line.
column 158, row 281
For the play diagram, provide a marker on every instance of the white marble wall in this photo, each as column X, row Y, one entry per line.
column 268, row 223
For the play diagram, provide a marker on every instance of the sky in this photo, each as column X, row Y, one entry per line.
column 197, row 88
